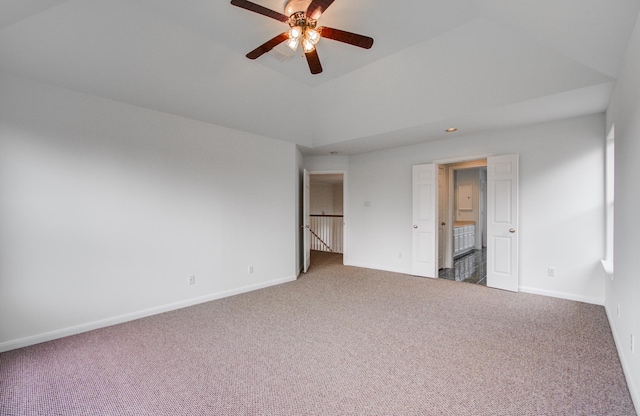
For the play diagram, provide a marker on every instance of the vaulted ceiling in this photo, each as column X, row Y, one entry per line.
column 470, row 64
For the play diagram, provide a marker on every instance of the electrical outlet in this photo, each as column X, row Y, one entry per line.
column 250, row 269
column 192, row 279
column 551, row 272
column 618, row 311
column 633, row 344
column 399, row 255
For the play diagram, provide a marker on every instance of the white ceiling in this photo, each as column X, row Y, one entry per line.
column 472, row 64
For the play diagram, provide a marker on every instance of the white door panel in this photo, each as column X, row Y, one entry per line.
column 502, row 256
column 425, row 231
column 306, row 221
column 442, row 212
column 502, row 222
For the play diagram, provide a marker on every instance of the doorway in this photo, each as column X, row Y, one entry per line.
column 462, row 215
column 326, row 213
column 501, row 220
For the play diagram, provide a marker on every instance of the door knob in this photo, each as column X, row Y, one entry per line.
column 415, row 226
column 443, row 223
column 511, row 230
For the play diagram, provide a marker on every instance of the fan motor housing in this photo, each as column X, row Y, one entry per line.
column 293, row 6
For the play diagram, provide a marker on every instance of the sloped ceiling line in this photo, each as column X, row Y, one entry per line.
column 476, row 63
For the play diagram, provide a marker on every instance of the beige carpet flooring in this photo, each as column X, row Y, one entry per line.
column 338, row 341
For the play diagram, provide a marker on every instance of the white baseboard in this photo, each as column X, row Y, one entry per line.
column 378, row 267
column 90, row 326
column 561, row 295
column 635, row 393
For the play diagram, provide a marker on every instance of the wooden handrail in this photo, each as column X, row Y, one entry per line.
column 331, row 216
column 327, row 232
column 320, row 239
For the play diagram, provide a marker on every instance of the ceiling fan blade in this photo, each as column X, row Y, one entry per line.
column 317, row 7
column 247, row 5
column 314, row 61
column 347, row 37
column 268, row 45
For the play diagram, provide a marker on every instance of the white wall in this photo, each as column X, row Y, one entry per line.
column 107, row 208
column 326, row 163
column 321, row 199
column 338, row 199
column 469, row 177
column 561, row 203
column 472, row 177
column 624, row 290
column 326, row 199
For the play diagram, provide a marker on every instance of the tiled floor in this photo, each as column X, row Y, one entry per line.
column 471, row 268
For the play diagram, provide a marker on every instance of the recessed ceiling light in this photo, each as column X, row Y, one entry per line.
column 451, row 130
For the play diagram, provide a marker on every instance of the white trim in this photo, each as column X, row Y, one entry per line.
column 561, row 295
column 381, row 268
column 345, row 208
column 523, row 289
column 626, row 368
column 607, row 265
column 345, row 217
column 103, row 323
column 451, row 165
column 461, row 159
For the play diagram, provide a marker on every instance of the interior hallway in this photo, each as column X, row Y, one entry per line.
column 470, row 268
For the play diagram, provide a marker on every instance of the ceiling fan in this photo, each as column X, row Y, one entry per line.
column 302, row 17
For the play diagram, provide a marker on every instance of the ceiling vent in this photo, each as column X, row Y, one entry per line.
column 282, row 53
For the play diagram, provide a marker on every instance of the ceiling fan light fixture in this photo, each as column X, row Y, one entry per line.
column 293, row 43
column 303, row 30
column 313, row 35
column 295, row 32
column 295, row 35
column 302, row 18
column 308, row 45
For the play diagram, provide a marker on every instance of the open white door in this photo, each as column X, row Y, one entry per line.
column 306, row 191
column 442, row 213
column 502, row 222
column 425, row 220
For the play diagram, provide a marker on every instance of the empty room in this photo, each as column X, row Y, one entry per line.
column 323, row 207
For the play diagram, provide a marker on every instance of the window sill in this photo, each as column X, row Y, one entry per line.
column 607, row 265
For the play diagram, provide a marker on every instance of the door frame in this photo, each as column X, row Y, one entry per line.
column 443, row 217
column 345, row 207
column 448, row 234
column 514, row 230
column 306, row 235
column 452, row 168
